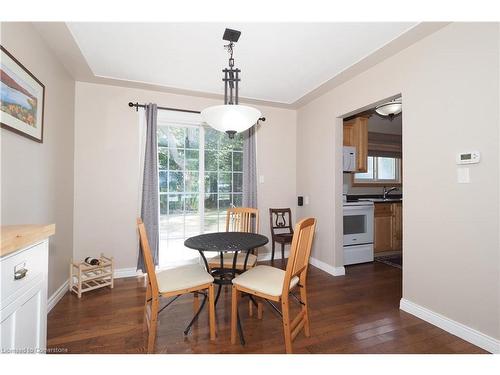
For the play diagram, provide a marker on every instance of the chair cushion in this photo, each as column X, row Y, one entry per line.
column 264, row 279
column 228, row 260
column 283, row 237
column 184, row 277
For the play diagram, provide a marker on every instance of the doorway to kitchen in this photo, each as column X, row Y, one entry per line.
column 373, row 186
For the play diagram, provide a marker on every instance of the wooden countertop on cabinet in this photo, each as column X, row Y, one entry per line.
column 17, row 237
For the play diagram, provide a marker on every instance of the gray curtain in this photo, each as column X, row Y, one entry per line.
column 249, row 169
column 149, row 208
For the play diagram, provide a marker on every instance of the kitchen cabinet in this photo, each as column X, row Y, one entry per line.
column 397, row 225
column 388, row 229
column 356, row 135
column 383, row 227
column 23, row 302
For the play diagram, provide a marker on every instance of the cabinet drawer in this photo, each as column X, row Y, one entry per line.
column 383, row 209
column 33, row 259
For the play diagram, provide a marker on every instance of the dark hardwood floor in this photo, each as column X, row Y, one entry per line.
column 358, row 313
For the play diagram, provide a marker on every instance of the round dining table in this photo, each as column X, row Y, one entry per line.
column 224, row 242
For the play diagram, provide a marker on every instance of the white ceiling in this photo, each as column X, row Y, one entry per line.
column 280, row 62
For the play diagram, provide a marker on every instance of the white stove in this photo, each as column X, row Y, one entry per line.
column 358, row 232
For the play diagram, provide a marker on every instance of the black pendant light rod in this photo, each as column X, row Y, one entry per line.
column 137, row 106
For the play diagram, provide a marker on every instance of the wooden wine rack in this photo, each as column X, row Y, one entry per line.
column 84, row 277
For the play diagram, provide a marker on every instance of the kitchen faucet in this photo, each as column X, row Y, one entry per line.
column 387, row 191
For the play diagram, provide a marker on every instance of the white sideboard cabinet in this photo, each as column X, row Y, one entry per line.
column 23, row 298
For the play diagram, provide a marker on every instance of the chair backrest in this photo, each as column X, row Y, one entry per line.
column 300, row 252
column 148, row 257
column 281, row 220
column 239, row 219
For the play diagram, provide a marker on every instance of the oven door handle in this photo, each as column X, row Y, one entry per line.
column 356, row 209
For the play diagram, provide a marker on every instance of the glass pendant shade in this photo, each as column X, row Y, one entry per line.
column 231, row 118
column 388, row 109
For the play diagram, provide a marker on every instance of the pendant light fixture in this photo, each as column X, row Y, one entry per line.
column 231, row 117
column 390, row 109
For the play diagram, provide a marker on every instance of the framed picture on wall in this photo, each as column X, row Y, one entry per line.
column 22, row 98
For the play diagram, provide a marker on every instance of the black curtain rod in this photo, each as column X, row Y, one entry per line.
column 137, row 106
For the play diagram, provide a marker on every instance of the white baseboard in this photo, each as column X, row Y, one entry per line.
column 57, row 295
column 126, row 272
column 61, row 291
column 277, row 255
column 335, row 271
column 466, row 333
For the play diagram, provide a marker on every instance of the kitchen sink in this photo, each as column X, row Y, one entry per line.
column 382, row 199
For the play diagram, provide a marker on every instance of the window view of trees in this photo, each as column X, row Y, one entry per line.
column 380, row 170
column 223, row 177
column 190, row 205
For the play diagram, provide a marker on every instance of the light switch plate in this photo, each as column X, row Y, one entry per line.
column 261, row 179
column 463, row 175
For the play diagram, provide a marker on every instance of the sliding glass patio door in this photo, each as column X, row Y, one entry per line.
column 200, row 176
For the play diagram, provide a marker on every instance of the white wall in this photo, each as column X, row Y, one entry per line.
column 37, row 179
column 107, row 166
column 449, row 82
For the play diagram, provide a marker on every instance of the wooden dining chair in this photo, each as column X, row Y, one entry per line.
column 239, row 219
column 173, row 283
column 281, row 229
column 274, row 284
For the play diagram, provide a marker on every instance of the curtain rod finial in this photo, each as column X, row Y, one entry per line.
column 136, row 105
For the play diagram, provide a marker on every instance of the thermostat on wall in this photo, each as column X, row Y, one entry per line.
column 472, row 157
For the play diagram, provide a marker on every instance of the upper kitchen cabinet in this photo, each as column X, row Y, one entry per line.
column 356, row 135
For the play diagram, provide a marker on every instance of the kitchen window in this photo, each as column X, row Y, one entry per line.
column 200, row 177
column 380, row 171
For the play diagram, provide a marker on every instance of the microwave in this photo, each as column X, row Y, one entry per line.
column 349, row 159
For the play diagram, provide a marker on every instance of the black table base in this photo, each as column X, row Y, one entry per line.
column 224, row 276
column 195, row 317
column 221, row 243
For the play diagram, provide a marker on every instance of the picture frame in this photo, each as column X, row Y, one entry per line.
column 22, row 98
